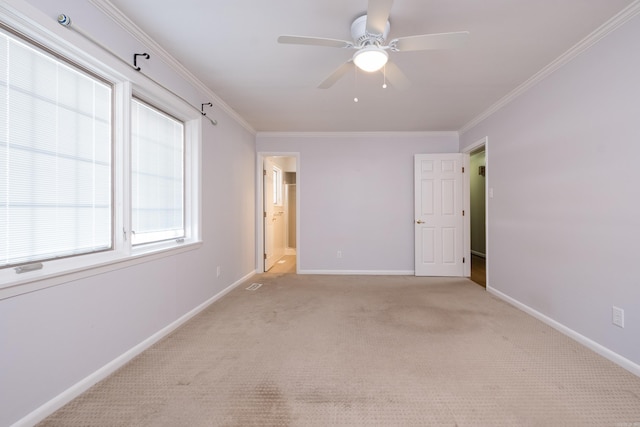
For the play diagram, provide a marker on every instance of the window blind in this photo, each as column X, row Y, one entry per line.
column 157, row 169
column 55, row 157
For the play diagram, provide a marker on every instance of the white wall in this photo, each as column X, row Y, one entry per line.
column 564, row 225
column 356, row 196
column 54, row 338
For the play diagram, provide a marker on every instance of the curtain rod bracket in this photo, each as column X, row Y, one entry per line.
column 202, row 107
column 135, row 59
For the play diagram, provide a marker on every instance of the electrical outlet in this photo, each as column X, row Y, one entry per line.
column 617, row 316
column 218, row 271
column 339, row 254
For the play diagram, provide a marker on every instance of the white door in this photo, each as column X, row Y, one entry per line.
column 439, row 220
column 269, row 211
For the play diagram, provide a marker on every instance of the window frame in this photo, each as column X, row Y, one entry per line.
column 184, row 144
column 277, row 186
column 46, row 51
column 125, row 85
column 192, row 120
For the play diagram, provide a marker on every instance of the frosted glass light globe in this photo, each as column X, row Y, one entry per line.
column 370, row 58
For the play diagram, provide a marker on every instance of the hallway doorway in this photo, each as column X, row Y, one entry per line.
column 479, row 270
column 478, row 211
column 279, row 214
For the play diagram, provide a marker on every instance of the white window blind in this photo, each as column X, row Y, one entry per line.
column 55, row 157
column 157, row 174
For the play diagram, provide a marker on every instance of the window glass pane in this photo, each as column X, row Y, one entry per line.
column 55, row 157
column 157, row 169
column 275, row 186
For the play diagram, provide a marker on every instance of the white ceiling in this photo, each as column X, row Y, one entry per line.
column 231, row 46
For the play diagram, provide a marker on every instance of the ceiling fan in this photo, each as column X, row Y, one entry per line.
column 369, row 33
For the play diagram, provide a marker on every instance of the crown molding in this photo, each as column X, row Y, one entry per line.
column 601, row 32
column 112, row 12
column 356, row 134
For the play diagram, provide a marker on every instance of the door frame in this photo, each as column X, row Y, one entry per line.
column 260, row 206
column 482, row 142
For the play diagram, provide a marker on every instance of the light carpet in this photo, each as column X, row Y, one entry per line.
column 361, row 351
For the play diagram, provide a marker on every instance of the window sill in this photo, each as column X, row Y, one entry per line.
column 56, row 273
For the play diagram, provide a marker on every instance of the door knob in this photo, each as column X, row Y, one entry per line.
column 419, row 221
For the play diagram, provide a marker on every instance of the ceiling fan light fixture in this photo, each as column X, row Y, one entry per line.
column 370, row 58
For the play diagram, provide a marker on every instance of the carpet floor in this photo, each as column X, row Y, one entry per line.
column 361, row 351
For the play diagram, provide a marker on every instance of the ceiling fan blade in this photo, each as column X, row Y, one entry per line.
column 396, row 77
column 430, row 41
column 378, row 15
column 314, row 41
column 336, row 75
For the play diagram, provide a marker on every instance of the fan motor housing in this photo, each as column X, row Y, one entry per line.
column 360, row 35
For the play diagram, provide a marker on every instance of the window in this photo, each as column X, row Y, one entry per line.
column 96, row 169
column 277, row 186
column 55, row 157
column 157, row 175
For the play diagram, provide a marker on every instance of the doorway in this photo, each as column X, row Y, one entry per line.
column 278, row 216
column 478, row 210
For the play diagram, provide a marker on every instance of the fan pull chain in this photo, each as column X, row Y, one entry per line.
column 355, row 84
column 384, row 77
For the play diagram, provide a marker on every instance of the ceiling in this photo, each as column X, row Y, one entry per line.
column 231, row 46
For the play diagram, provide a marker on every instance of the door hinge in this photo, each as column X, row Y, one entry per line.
column 264, row 172
column 462, row 213
column 265, row 256
column 265, row 214
column 463, row 169
column 464, row 260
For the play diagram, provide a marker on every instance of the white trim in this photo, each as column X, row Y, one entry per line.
column 590, row 344
column 480, row 254
column 360, row 272
column 612, row 24
column 41, row 279
column 356, row 134
column 466, row 203
column 83, row 385
column 482, row 142
column 112, row 12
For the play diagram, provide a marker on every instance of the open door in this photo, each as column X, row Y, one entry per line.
column 439, row 215
column 269, row 216
column 275, row 214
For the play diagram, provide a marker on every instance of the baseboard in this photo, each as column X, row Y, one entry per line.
column 480, row 254
column 361, row 272
column 77, row 389
column 603, row 351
